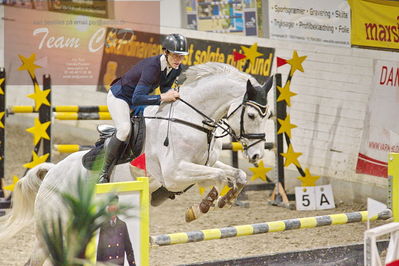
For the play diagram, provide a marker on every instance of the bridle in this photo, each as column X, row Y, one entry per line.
column 212, row 125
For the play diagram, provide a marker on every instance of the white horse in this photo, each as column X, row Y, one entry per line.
column 216, row 91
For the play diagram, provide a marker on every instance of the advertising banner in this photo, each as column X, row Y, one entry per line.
column 319, row 21
column 375, row 23
column 116, row 60
column 68, row 47
column 381, row 130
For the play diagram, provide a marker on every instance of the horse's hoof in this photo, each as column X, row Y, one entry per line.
column 190, row 215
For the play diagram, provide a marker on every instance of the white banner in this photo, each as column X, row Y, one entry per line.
column 381, row 130
column 318, row 21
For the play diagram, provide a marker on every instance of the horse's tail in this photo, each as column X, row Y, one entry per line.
column 23, row 200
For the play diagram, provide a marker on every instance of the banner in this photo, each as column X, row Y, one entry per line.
column 68, row 47
column 375, row 23
column 120, row 55
column 381, row 130
column 319, row 21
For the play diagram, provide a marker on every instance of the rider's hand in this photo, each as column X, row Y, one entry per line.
column 170, row 96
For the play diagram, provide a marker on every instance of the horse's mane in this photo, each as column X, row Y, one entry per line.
column 196, row 72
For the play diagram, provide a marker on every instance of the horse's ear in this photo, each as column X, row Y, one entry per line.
column 251, row 91
column 268, row 84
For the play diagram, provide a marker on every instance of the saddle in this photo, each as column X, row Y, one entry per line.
column 93, row 159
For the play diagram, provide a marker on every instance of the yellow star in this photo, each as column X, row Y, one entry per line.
column 285, row 93
column 28, row 64
column 225, row 190
column 40, row 97
column 1, row 83
column 201, row 190
column 1, row 119
column 251, row 53
column 308, row 180
column 286, row 126
column 259, row 172
column 11, row 187
column 296, row 62
column 291, row 156
column 39, row 131
column 36, row 160
column 222, row 193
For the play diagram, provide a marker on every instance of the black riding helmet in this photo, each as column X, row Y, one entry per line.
column 175, row 43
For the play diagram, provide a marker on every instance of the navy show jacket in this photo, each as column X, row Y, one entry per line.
column 142, row 79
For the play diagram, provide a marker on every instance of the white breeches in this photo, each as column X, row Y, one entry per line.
column 120, row 113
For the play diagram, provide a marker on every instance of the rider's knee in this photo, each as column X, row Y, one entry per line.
column 123, row 131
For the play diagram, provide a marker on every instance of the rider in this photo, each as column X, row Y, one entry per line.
column 130, row 92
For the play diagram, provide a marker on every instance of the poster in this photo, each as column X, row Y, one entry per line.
column 320, row 22
column 120, row 54
column 235, row 17
column 94, row 8
column 381, row 130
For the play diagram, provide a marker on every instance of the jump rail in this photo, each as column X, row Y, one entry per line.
column 268, row 227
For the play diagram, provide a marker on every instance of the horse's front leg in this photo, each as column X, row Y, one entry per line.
column 240, row 178
column 188, row 173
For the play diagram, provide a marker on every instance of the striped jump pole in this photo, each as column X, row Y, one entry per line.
column 70, row 148
column 268, row 227
column 61, row 108
column 237, row 146
column 82, row 116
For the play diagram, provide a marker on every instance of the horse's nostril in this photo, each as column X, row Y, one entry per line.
column 255, row 157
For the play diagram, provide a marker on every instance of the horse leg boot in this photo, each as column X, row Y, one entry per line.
column 195, row 211
column 112, row 153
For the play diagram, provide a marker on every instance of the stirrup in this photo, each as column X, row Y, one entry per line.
column 104, row 178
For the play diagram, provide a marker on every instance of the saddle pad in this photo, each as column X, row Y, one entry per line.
column 93, row 159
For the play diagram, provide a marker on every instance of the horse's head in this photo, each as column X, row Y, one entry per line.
column 248, row 118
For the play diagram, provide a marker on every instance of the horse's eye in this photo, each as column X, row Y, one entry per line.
column 251, row 116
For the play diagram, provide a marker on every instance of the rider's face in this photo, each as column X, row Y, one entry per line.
column 174, row 60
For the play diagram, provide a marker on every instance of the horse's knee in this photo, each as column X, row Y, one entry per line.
column 241, row 177
column 123, row 131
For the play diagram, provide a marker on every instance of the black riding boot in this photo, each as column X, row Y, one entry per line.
column 112, row 152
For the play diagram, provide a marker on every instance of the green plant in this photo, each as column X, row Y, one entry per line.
column 67, row 237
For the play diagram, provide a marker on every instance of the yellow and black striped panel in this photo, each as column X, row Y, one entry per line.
column 69, row 148
column 260, row 228
column 82, row 116
column 80, row 109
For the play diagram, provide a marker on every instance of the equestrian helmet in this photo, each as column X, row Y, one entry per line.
column 175, row 43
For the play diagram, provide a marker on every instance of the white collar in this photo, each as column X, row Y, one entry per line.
column 164, row 64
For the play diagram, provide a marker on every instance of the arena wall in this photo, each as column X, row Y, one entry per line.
column 329, row 110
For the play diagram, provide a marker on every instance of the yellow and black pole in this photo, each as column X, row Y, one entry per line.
column 2, row 129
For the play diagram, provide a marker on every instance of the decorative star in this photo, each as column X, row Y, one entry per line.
column 11, row 187
column 285, row 93
column 40, row 97
column 28, row 64
column 201, row 190
column 1, row 119
column 291, row 156
column 1, row 83
column 296, row 62
column 308, row 180
column 39, row 131
column 251, row 53
column 259, row 172
column 224, row 191
column 286, row 126
column 36, row 160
